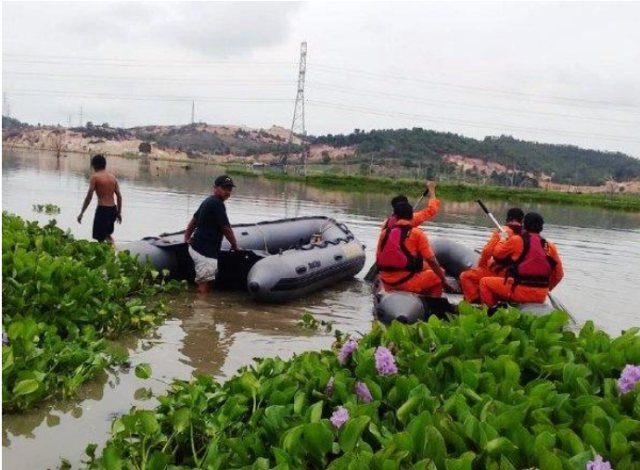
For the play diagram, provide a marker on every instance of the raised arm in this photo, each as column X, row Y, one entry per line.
column 87, row 199
column 431, row 209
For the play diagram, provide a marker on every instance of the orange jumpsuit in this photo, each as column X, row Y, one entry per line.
column 425, row 282
column 419, row 217
column 494, row 289
column 487, row 267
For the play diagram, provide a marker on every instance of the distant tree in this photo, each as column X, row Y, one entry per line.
column 325, row 157
column 89, row 125
column 144, row 147
column 105, row 124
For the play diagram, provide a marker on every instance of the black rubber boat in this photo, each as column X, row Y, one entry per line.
column 454, row 259
column 280, row 260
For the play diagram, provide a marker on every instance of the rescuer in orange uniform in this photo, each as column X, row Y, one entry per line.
column 419, row 217
column 536, row 270
column 405, row 259
column 489, row 265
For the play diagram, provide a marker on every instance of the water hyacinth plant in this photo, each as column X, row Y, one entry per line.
column 385, row 362
column 598, row 464
column 511, row 391
column 347, row 349
column 629, row 378
column 339, row 417
column 61, row 298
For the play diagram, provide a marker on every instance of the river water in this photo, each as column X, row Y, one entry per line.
column 218, row 334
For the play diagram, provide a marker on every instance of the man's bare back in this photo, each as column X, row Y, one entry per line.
column 106, row 186
column 109, row 209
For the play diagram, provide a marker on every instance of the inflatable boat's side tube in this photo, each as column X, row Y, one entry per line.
column 453, row 257
column 295, row 273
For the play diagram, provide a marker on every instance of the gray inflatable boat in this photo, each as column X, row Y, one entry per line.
column 280, row 260
column 454, row 259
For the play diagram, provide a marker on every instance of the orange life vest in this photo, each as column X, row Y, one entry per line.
column 393, row 254
column 534, row 266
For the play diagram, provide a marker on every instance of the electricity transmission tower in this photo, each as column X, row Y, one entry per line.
column 6, row 107
column 297, row 124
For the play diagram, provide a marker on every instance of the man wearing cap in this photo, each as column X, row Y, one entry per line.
column 205, row 231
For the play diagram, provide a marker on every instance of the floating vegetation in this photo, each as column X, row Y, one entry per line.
column 510, row 391
column 49, row 209
column 61, row 299
column 309, row 322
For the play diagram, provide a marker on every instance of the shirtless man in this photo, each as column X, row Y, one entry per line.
column 108, row 211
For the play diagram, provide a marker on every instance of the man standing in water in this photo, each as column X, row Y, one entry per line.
column 108, row 211
column 205, row 230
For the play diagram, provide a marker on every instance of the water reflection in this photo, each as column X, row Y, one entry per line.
column 218, row 334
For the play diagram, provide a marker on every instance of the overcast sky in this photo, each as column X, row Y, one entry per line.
column 549, row 72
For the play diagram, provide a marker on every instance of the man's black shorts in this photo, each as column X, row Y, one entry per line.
column 103, row 222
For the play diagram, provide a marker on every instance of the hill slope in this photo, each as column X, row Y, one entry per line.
column 497, row 160
column 561, row 163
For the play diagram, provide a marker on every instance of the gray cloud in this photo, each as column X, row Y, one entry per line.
column 427, row 64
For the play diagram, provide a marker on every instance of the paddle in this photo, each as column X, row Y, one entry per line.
column 493, row 219
column 373, row 270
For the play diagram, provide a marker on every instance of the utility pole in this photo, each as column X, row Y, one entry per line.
column 69, row 120
column 193, row 110
column 81, row 116
column 297, row 123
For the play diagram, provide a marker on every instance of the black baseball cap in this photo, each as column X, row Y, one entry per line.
column 224, row 180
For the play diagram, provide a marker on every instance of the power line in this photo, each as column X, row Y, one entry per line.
column 68, row 60
column 270, row 81
column 494, row 126
column 414, row 99
column 332, row 69
column 108, row 96
column 122, row 59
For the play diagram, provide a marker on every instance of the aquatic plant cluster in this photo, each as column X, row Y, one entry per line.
column 510, row 391
column 60, row 299
column 449, row 191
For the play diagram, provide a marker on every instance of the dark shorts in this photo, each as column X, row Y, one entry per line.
column 103, row 222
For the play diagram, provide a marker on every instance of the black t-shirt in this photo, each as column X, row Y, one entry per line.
column 210, row 217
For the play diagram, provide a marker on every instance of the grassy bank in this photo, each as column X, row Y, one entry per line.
column 454, row 192
column 62, row 299
column 511, row 391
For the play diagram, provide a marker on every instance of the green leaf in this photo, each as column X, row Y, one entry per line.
column 435, row 448
column 181, row 419
column 594, row 437
column 315, row 412
column 158, row 461
column 25, row 387
column 149, row 422
column 549, row 461
column 143, row 371
column 351, row 432
column 318, row 439
column 499, row 446
column 111, row 458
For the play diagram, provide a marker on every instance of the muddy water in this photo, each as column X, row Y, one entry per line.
column 218, row 334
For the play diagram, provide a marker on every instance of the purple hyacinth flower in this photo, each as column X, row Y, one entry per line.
column 363, row 392
column 346, row 350
column 628, row 378
column 598, row 464
column 5, row 339
column 339, row 417
column 385, row 362
column 328, row 389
